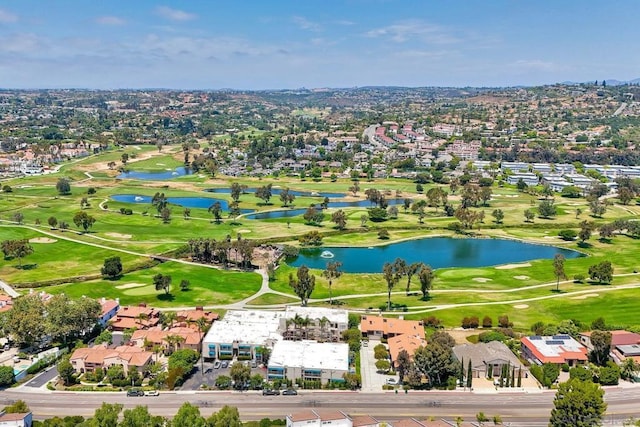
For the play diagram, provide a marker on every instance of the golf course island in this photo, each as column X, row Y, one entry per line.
column 473, row 246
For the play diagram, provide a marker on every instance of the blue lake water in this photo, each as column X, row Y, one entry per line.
column 156, row 176
column 438, row 252
column 276, row 192
column 186, row 202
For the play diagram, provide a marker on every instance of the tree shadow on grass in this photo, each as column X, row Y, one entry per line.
column 166, row 297
column 27, row 266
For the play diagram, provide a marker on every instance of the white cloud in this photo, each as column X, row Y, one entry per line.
column 7, row 17
column 110, row 20
column 304, row 24
column 415, row 30
column 174, row 14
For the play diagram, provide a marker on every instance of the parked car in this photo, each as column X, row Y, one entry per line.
column 254, row 364
column 270, row 392
column 289, row 392
column 216, row 364
column 225, row 364
column 392, row 381
column 152, row 393
column 134, row 392
column 365, row 343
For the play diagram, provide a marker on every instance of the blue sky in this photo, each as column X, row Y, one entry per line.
column 270, row 44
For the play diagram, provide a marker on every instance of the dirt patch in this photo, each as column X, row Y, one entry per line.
column 521, row 277
column 520, row 306
column 460, row 335
column 42, row 240
column 481, row 279
column 510, row 266
column 119, row 235
column 586, row 296
column 130, row 285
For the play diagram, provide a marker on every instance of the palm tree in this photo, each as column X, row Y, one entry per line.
column 174, row 341
column 323, row 328
column 169, row 318
column 202, row 325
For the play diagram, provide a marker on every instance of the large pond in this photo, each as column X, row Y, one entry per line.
column 276, row 192
column 438, row 252
column 156, row 176
column 186, row 202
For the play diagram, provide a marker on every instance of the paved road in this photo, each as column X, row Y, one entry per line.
column 518, row 409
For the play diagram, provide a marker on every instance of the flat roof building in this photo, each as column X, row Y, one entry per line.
column 309, row 360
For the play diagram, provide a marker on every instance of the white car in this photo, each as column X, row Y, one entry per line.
column 392, row 381
column 152, row 393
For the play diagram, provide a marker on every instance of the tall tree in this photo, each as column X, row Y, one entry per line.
column 24, row 320
column 188, row 415
column 411, row 270
column 601, row 341
column 426, row 276
column 106, row 415
column 390, row 277
column 264, row 193
column 558, row 269
column 403, row 363
column 340, row 219
column 236, row 191
column 303, row 285
column 437, row 363
column 16, row 249
column 240, row 373
column 63, row 186
column 227, row 416
column 162, row 282
column 331, row 273
column 84, row 220
column 216, row 210
column 140, row 416
column 112, row 267
column 578, row 404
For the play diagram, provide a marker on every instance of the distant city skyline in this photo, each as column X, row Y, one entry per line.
column 286, row 44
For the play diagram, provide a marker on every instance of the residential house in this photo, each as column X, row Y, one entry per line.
column 365, row 421
column 528, row 178
column 16, row 420
column 383, row 327
column 558, row 349
column 187, row 317
column 487, row 359
column 110, row 308
column 317, row 418
column 408, row 342
column 149, row 338
column 135, row 317
column 100, row 356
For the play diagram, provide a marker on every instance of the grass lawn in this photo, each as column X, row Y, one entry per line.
column 37, row 199
column 207, row 286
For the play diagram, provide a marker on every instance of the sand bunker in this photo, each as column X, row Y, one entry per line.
column 244, row 231
column 586, row 296
column 160, row 164
column 481, row 279
column 521, row 277
column 521, row 306
column 119, row 235
column 510, row 266
column 42, row 240
column 130, row 285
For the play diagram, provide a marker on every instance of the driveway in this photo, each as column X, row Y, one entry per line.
column 43, row 378
column 372, row 381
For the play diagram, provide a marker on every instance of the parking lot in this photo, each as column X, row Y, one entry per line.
column 210, row 374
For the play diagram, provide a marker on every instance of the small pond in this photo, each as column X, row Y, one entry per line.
column 156, row 176
column 438, row 252
column 186, row 202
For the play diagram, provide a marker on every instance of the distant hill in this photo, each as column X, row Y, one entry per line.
column 610, row 82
